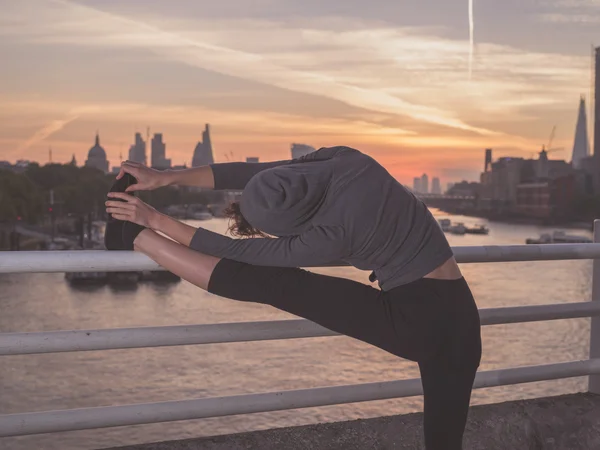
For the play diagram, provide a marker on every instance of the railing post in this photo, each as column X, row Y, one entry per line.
column 594, row 381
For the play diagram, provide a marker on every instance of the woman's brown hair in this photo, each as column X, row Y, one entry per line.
column 238, row 225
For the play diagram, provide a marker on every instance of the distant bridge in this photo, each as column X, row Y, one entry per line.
column 446, row 197
column 448, row 201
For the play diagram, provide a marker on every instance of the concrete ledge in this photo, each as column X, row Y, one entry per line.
column 567, row 422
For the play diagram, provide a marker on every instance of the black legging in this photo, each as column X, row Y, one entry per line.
column 432, row 322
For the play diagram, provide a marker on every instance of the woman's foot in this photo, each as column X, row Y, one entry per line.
column 119, row 235
column 129, row 233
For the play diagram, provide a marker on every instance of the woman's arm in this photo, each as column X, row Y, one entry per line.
column 173, row 228
column 235, row 175
column 196, row 176
column 318, row 246
column 148, row 178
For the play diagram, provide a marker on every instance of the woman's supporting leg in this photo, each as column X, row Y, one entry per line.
column 448, row 376
column 190, row 265
column 447, row 394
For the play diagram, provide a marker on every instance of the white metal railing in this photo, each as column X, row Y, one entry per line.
column 86, row 340
column 120, row 338
column 202, row 408
column 122, row 261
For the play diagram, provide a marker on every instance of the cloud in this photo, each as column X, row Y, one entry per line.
column 47, row 130
column 583, row 19
column 581, row 12
column 83, row 25
column 405, row 79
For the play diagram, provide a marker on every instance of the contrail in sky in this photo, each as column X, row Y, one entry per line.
column 47, row 130
column 471, row 40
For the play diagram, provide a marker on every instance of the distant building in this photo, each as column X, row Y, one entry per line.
column 21, row 165
column 299, row 150
column 511, row 184
column 5, row 165
column 137, row 152
column 587, row 175
column 548, row 168
column 424, row 184
column 180, row 167
column 449, row 186
column 581, row 145
column 97, row 157
column 486, row 179
column 203, row 153
column 252, row 159
column 436, row 187
column 488, row 160
column 596, row 126
column 548, row 198
column 73, row 161
column 417, row 185
column 464, row 189
column 506, row 176
column 159, row 148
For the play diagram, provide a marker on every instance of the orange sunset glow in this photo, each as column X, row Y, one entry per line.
column 392, row 81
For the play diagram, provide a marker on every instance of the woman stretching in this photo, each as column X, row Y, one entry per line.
column 333, row 205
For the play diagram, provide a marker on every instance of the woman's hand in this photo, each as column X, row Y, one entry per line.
column 132, row 209
column 147, row 178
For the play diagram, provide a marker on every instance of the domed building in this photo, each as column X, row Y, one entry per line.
column 97, row 157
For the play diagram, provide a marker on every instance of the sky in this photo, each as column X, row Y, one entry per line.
column 404, row 81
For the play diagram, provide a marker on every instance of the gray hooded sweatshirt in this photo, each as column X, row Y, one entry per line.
column 331, row 206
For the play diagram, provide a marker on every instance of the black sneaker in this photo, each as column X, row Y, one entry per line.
column 113, row 234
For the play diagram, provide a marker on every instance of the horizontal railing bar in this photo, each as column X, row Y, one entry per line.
column 520, row 253
column 112, row 416
column 121, row 338
column 121, row 261
column 538, row 313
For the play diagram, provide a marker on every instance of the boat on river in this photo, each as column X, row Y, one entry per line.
column 477, row 229
column 86, row 277
column 445, row 224
column 559, row 237
column 458, row 228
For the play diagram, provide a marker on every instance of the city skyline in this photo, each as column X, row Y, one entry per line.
column 392, row 82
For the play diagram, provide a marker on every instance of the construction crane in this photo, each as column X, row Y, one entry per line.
column 548, row 149
column 551, row 138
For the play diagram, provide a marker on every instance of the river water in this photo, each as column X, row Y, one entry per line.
column 44, row 302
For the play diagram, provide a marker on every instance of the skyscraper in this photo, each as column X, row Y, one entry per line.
column 137, row 152
column 417, row 185
column 424, row 184
column 203, row 153
column 488, row 160
column 299, row 150
column 595, row 171
column 159, row 149
column 436, row 187
column 581, row 145
column 597, row 106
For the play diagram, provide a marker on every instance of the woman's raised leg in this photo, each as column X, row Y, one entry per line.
column 345, row 306
column 190, row 265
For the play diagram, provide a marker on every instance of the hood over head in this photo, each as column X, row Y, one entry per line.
column 281, row 201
